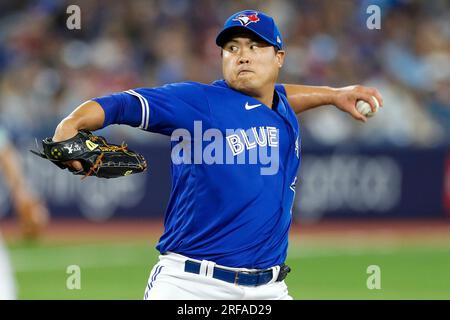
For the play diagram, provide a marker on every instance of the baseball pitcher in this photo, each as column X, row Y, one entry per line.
column 235, row 156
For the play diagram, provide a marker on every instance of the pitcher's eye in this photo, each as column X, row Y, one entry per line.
column 231, row 48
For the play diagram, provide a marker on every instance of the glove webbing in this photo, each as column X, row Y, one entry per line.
column 107, row 147
column 97, row 163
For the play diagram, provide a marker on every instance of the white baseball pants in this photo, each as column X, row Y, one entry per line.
column 169, row 281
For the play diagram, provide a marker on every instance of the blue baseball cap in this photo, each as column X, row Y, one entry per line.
column 255, row 21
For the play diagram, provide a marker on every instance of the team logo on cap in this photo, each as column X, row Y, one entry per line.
column 246, row 19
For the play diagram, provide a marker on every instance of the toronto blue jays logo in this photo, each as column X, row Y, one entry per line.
column 246, row 19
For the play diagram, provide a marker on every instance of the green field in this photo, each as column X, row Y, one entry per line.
column 120, row 270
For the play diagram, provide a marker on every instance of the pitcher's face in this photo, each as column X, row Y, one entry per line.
column 250, row 64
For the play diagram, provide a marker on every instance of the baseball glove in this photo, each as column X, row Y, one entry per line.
column 96, row 155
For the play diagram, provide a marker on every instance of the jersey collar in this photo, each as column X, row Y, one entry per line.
column 279, row 108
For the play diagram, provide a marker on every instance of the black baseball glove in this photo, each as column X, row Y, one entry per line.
column 96, row 155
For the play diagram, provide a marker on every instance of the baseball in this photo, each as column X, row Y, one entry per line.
column 364, row 108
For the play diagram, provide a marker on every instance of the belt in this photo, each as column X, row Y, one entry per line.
column 243, row 278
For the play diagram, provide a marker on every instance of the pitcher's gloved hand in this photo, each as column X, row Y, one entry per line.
column 97, row 157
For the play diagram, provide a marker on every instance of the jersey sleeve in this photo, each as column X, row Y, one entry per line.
column 160, row 109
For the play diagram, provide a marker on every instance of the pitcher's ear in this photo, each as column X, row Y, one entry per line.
column 280, row 57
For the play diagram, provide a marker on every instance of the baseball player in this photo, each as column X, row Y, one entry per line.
column 227, row 221
column 33, row 214
column 7, row 283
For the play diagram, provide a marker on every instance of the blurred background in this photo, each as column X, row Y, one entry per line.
column 376, row 193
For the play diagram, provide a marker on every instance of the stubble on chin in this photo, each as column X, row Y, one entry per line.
column 246, row 86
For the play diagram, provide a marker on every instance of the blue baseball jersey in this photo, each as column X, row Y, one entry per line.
column 234, row 167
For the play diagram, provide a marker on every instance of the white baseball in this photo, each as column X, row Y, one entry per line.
column 364, row 108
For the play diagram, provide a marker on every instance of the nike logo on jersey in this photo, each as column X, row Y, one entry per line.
column 251, row 106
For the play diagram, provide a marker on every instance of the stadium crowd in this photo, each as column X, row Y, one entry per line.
column 46, row 69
